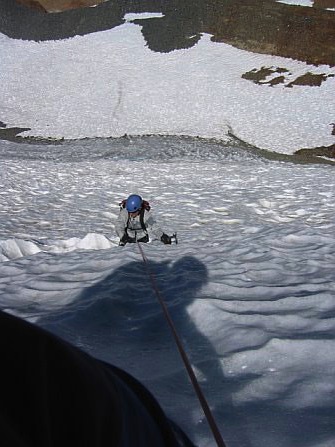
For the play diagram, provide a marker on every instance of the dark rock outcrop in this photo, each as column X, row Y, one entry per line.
column 262, row 26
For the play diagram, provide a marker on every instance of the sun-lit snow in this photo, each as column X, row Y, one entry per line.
column 297, row 2
column 110, row 83
column 309, row 3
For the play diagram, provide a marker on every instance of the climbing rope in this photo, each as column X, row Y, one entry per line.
column 207, row 411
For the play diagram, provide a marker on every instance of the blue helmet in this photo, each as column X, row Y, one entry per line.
column 134, row 203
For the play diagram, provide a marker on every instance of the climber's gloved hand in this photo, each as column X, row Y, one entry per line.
column 166, row 239
column 123, row 240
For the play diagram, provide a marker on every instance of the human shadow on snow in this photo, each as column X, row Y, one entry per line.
column 120, row 320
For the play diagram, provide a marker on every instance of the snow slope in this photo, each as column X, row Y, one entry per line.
column 250, row 286
column 110, row 83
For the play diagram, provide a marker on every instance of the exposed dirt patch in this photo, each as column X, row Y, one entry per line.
column 259, row 76
column 322, row 151
column 264, row 75
column 314, row 80
column 265, row 26
column 11, row 133
column 58, row 5
column 35, row 4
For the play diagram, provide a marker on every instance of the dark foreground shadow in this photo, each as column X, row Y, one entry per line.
column 52, row 394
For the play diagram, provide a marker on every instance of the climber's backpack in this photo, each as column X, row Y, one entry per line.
column 145, row 207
